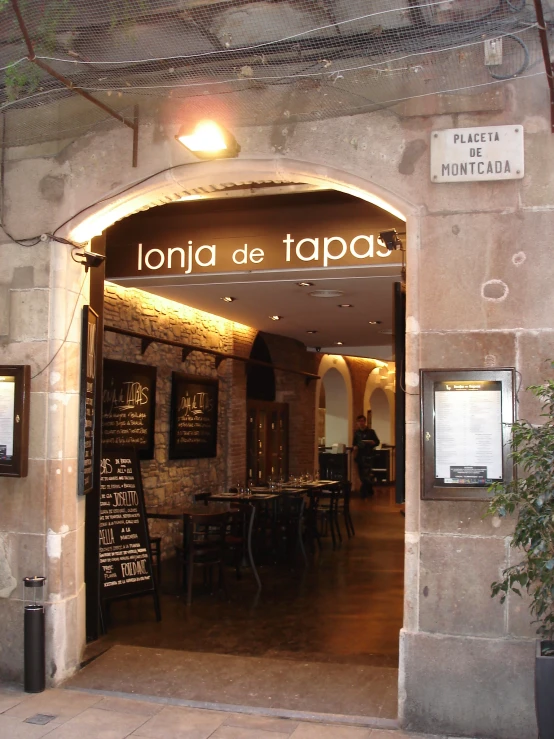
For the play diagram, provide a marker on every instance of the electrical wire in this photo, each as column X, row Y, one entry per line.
column 67, row 332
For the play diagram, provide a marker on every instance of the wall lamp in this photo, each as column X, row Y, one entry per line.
column 391, row 239
column 87, row 258
column 208, row 140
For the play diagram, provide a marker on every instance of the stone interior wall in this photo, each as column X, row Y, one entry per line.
column 170, row 482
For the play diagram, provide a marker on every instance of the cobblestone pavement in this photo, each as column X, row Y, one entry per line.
column 69, row 714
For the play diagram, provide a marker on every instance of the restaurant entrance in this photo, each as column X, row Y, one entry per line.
column 304, row 598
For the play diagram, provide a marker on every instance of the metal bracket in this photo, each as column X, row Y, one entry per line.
column 218, row 361
column 144, row 344
column 185, row 354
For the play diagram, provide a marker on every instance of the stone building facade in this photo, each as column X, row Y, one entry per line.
column 479, row 294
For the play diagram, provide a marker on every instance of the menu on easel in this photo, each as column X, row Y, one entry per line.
column 124, row 546
column 129, row 406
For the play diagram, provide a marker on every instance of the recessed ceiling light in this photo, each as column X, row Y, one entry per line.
column 346, row 305
column 338, row 343
column 325, row 294
column 304, row 284
column 313, row 331
column 374, row 323
column 228, row 299
column 275, row 318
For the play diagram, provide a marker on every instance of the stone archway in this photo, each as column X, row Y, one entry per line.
column 196, row 179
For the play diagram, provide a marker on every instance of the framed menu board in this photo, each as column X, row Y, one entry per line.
column 193, row 428
column 129, row 406
column 15, row 392
column 124, row 543
column 87, row 400
column 465, row 431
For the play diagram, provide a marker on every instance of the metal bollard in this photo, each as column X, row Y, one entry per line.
column 34, row 640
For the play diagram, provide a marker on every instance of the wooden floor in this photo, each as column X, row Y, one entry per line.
column 345, row 607
column 340, row 616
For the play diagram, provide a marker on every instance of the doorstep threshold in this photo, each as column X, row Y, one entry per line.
column 371, row 722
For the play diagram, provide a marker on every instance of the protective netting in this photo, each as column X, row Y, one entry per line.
column 251, row 62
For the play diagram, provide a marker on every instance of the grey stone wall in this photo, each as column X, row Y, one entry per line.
column 479, row 294
column 41, row 521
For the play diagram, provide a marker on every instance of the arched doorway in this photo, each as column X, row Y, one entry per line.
column 339, row 380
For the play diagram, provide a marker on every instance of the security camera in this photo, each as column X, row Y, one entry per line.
column 390, row 239
column 88, row 258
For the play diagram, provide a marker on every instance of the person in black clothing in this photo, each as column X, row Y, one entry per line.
column 365, row 441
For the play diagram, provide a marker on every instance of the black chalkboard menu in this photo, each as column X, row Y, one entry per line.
column 89, row 342
column 193, row 429
column 129, row 406
column 124, row 546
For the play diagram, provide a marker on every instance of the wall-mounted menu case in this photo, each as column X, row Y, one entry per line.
column 465, row 431
column 15, row 390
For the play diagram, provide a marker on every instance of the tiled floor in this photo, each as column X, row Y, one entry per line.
column 76, row 715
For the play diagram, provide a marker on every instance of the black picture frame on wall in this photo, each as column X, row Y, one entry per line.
column 15, row 401
column 129, row 406
column 87, row 400
column 194, row 416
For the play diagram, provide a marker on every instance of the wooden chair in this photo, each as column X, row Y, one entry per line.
column 204, row 547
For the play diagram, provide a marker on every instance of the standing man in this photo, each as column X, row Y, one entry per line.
column 365, row 441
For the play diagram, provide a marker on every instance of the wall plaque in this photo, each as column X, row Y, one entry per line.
column 15, row 392
column 129, row 406
column 465, row 431
column 480, row 153
column 193, row 430
column 89, row 344
column 124, row 547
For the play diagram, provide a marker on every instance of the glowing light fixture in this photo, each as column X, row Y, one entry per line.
column 275, row 318
column 338, row 343
column 346, row 305
column 228, row 299
column 374, row 323
column 304, row 284
column 208, row 140
column 313, row 331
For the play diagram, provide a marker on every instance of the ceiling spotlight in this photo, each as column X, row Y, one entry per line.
column 228, row 299
column 346, row 305
column 313, row 331
column 304, row 284
column 208, row 140
column 275, row 318
column 338, row 343
column 87, row 258
column 374, row 323
column 390, row 239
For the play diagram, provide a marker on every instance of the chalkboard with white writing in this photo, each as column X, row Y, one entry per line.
column 124, row 546
column 129, row 406
column 193, row 430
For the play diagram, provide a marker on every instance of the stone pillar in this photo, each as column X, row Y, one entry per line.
column 41, row 527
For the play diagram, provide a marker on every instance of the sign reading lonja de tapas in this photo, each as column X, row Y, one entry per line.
column 207, row 237
column 481, row 153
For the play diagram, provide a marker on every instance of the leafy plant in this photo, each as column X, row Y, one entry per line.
column 531, row 497
column 21, row 79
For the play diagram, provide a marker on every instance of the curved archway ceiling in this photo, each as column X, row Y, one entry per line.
column 252, row 62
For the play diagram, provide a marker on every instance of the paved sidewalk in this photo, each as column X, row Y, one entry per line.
column 69, row 714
